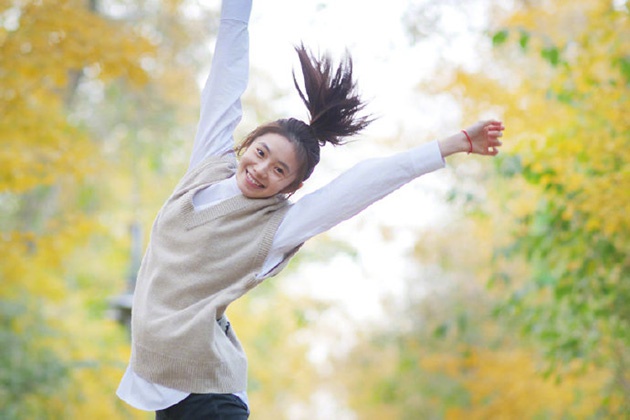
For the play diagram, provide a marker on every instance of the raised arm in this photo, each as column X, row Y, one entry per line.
column 348, row 194
column 371, row 180
column 220, row 98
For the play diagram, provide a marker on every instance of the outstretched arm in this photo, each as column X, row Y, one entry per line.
column 348, row 194
column 368, row 182
column 221, row 95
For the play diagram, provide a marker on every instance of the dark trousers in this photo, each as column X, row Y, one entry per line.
column 206, row 407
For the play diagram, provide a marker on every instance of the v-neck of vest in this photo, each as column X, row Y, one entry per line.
column 194, row 218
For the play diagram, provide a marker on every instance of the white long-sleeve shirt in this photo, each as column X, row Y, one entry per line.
column 351, row 192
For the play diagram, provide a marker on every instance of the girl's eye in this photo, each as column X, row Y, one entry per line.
column 260, row 152
column 280, row 171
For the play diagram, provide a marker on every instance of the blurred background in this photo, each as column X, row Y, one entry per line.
column 491, row 289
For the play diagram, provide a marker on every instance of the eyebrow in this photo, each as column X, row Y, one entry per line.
column 281, row 163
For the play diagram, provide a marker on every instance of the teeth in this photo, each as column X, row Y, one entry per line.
column 253, row 180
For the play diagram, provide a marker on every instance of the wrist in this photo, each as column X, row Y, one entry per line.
column 469, row 140
column 457, row 143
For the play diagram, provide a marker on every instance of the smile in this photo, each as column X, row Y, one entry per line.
column 253, row 181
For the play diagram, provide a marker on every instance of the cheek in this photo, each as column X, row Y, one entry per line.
column 286, row 183
column 245, row 160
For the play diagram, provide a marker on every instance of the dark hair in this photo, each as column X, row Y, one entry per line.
column 333, row 104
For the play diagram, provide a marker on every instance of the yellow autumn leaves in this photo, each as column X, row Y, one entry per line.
column 560, row 82
column 41, row 61
column 47, row 48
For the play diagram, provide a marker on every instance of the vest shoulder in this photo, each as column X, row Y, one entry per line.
column 208, row 171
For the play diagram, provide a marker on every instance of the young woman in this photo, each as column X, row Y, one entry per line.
column 229, row 225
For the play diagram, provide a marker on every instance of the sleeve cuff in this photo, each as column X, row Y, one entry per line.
column 427, row 158
column 236, row 10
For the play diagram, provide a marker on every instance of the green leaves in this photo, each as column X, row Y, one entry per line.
column 523, row 39
column 26, row 367
column 500, row 37
column 624, row 67
column 572, row 78
column 551, row 54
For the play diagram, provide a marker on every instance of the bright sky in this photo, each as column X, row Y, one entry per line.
column 388, row 70
column 386, row 65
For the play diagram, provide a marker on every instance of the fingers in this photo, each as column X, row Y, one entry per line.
column 490, row 151
column 495, row 133
column 492, row 123
column 486, row 136
column 494, row 126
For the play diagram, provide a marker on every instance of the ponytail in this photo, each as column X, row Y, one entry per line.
column 330, row 97
column 333, row 104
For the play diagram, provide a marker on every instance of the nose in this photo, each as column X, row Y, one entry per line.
column 262, row 169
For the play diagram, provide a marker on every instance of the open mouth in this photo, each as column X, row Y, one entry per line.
column 253, row 181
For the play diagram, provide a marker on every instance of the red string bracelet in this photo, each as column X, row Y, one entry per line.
column 469, row 140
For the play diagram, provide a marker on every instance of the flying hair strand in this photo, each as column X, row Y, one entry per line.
column 331, row 97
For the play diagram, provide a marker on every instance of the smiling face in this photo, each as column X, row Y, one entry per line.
column 268, row 167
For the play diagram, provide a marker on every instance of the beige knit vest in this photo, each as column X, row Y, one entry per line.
column 196, row 264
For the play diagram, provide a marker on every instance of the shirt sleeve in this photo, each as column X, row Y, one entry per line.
column 347, row 195
column 221, row 96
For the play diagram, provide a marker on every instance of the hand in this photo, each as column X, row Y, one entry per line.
column 485, row 137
